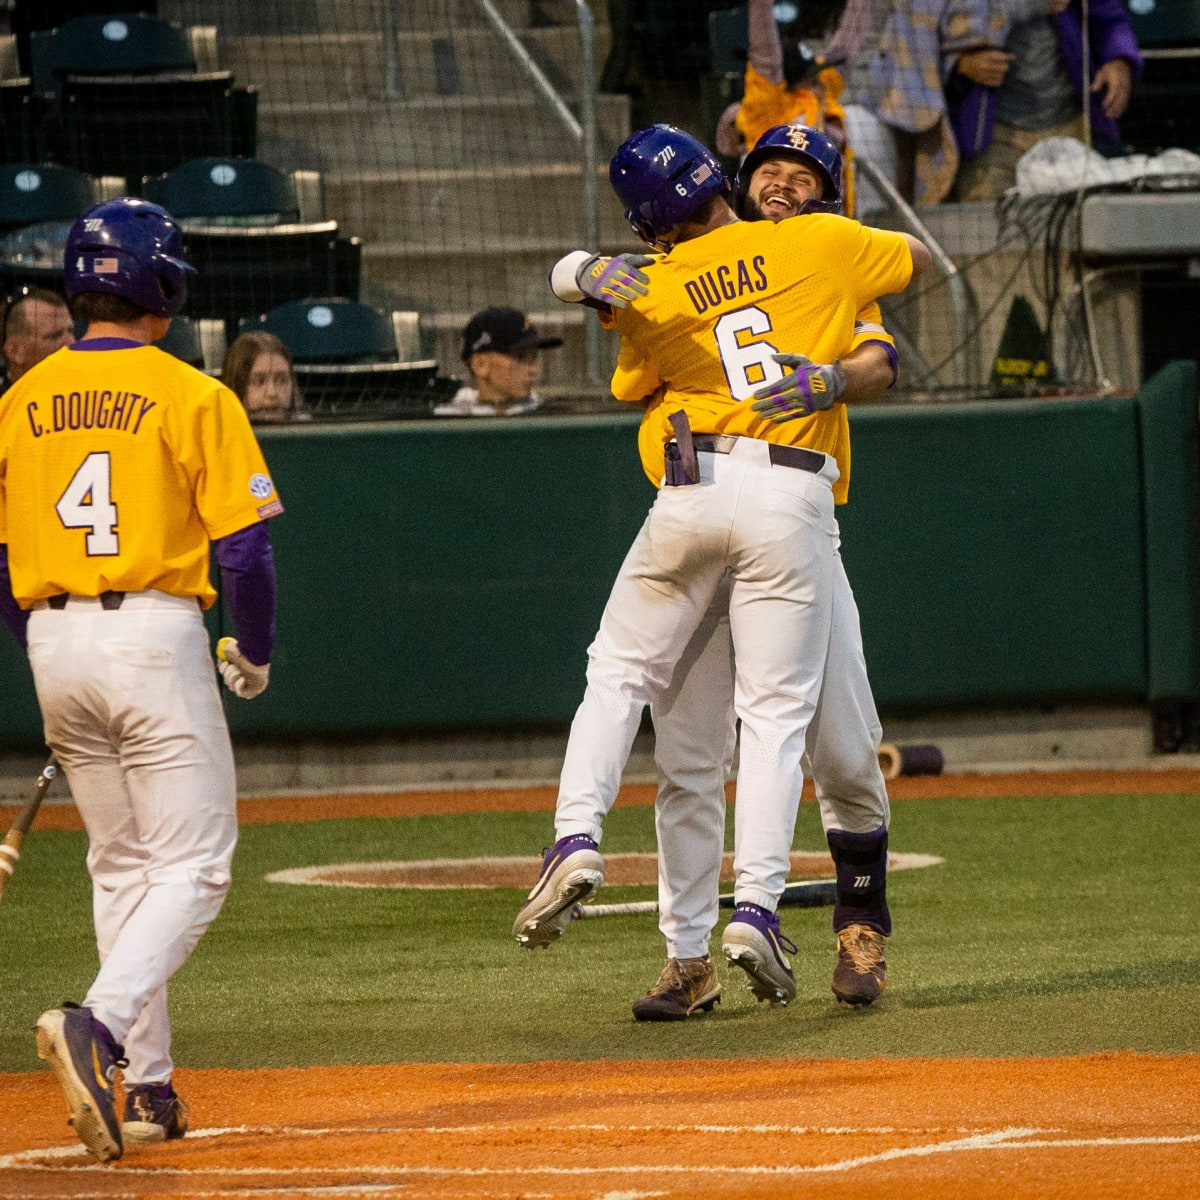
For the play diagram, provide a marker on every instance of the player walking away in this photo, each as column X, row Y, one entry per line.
column 744, row 499
column 119, row 467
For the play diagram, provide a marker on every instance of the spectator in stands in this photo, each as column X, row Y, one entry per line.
column 258, row 368
column 37, row 323
column 896, row 55
column 501, row 350
column 1035, row 87
column 785, row 82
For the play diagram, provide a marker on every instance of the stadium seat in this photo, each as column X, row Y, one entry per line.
column 31, row 193
column 127, row 43
column 237, row 191
column 179, row 117
column 199, row 342
column 16, row 120
column 27, row 16
column 252, row 269
column 330, row 329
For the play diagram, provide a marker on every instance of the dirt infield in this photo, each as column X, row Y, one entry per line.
column 1104, row 1125
column 535, row 799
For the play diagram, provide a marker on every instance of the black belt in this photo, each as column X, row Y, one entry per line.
column 109, row 601
column 798, row 457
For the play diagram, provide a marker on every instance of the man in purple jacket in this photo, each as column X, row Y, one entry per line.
column 1032, row 86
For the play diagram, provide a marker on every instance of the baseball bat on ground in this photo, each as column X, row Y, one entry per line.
column 813, row 893
column 895, row 761
column 10, row 849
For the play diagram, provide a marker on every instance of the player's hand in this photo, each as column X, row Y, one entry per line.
column 615, row 280
column 807, row 388
column 242, row 677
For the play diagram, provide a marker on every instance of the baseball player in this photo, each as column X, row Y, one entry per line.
column 742, row 495
column 120, row 466
column 792, row 170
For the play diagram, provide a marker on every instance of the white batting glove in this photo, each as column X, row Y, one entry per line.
column 242, row 677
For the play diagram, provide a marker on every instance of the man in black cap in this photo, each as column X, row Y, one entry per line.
column 500, row 348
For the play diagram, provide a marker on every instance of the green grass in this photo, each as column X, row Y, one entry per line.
column 1055, row 926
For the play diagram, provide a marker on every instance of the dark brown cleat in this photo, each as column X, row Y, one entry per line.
column 686, row 985
column 861, row 971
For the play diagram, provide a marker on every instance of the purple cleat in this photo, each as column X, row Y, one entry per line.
column 85, row 1057
column 571, row 871
column 153, row 1113
column 754, row 942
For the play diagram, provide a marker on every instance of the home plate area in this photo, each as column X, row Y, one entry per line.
column 1102, row 1125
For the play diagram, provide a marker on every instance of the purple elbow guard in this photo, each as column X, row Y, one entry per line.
column 248, row 580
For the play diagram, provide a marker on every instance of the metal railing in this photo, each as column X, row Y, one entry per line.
column 962, row 298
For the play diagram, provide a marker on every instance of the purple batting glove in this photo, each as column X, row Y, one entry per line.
column 807, row 388
column 615, row 280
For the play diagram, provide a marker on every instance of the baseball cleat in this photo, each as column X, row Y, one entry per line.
column 754, row 942
column 85, row 1057
column 686, row 986
column 571, row 871
column 153, row 1113
column 861, row 971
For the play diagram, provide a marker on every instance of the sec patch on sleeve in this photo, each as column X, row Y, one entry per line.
column 261, row 486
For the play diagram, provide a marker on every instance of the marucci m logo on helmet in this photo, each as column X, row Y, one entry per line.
column 662, row 175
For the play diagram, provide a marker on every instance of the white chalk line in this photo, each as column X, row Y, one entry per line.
column 320, row 876
column 1012, row 1138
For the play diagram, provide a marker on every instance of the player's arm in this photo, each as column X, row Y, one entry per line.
column 922, row 260
column 600, row 281
column 247, row 565
column 15, row 617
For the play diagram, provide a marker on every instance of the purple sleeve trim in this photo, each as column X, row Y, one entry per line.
column 15, row 617
column 248, row 581
column 893, row 357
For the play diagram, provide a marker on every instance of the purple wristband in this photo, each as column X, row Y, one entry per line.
column 248, row 581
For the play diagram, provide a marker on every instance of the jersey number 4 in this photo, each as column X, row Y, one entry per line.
column 87, row 503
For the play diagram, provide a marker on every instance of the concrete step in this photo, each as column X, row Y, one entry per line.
column 422, row 134
column 234, row 17
column 344, row 66
column 434, row 206
column 456, row 277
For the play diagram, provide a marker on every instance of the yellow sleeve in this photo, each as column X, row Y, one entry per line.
column 879, row 261
column 233, row 486
column 636, row 376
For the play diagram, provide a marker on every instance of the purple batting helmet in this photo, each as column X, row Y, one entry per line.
column 804, row 144
column 129, row 248
column 662, row 175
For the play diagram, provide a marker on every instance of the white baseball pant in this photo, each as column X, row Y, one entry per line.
column 773, row 528
column 694, row 737
column 131, row 709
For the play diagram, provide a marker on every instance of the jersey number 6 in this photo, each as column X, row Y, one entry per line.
column 87, row 503
column 747, row 365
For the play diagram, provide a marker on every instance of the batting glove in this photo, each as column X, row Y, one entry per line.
column 242, row 677
column 615, row 280
column 807, row 388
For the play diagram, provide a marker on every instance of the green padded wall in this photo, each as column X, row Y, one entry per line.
column 451, row 574
column 1171, row 483
column 995, row 550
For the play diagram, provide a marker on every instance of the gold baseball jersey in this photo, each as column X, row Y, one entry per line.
column 721, row 305
column 118, row 468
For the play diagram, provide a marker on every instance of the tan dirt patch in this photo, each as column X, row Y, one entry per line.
column 537, row 799
column 1107, row 1125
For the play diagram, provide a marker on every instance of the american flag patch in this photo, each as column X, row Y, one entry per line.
column 701, row 173
column 104, row 266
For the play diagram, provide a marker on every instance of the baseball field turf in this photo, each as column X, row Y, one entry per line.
column 1057, row 936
